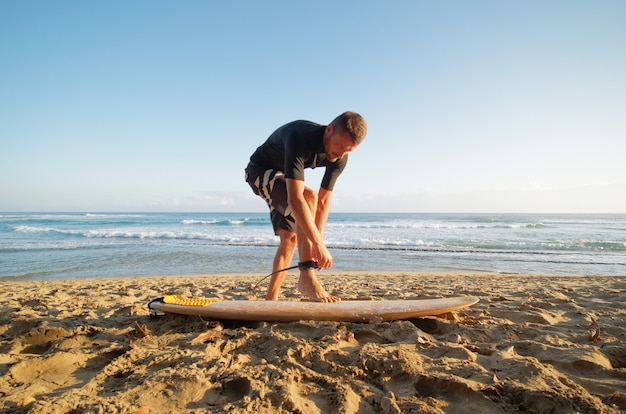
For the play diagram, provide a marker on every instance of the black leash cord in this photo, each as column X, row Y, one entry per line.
column 311, row 264
column 272, row 274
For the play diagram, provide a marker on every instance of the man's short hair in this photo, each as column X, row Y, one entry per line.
column 353, row 124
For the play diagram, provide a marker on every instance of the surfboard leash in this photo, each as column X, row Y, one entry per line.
column 309, row 264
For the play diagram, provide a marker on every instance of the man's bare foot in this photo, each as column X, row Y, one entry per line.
column 310, row 286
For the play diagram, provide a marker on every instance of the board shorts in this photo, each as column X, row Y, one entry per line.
column 270, row 185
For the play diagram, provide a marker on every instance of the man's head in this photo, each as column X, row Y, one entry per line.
column 353, row 124
column 343, row 135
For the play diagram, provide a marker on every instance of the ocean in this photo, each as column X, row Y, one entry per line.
column 90, row 245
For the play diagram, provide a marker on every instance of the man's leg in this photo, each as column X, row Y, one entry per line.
column 270, row 186
column 282, row 260
column 308, row 283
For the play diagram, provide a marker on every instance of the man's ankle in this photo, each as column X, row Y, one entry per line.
column 307, row 265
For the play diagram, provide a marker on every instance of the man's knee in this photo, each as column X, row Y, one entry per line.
column 310, row 196
column 288, row 240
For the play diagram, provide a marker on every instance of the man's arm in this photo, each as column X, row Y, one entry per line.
column 323, row 208
column 306, row 221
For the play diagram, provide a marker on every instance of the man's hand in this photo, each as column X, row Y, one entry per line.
column 322, row 256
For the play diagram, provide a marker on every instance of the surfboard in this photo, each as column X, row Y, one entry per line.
column 288, row 311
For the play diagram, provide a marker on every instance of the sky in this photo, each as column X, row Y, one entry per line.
column 472, row 106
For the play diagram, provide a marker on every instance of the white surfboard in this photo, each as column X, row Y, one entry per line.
column 286, row 311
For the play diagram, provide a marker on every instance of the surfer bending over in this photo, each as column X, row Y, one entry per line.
column 298, row 213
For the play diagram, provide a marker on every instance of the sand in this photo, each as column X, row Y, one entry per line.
column 539, row 344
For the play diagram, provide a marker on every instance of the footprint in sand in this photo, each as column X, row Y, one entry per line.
column 306, row 397
column 236, row 389
column 39, row 340
column 49, row 362
column 427, row 386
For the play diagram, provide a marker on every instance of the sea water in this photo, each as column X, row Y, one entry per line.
column 64, row 246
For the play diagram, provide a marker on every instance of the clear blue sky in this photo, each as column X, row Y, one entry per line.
column 472, row 106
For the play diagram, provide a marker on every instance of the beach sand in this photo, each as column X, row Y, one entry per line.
column 539, row 344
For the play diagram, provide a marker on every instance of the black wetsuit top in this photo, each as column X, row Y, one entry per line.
column 294, row 147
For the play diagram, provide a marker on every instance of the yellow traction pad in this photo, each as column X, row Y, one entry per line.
column 184, row 301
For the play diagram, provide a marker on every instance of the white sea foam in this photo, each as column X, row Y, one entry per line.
column 30, row 229
column 191, row 222
column 226, row 222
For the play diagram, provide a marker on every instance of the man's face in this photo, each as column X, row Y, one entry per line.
column 337, row 143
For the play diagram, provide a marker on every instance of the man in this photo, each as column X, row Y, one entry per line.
column 298, row 213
